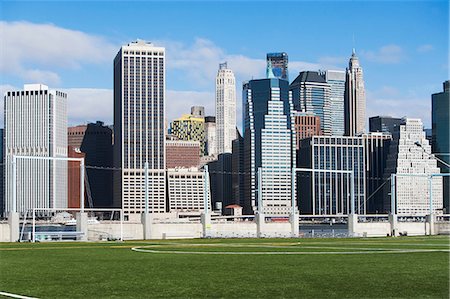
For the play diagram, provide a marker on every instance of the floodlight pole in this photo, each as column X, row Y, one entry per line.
column 260, row 208
column 205, row 194
column 293, row 187
column 146, row 186
column 14, row 183
column 82, row 185
column 393, row 193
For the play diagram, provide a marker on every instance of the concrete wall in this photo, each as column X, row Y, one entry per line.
column 4, row 232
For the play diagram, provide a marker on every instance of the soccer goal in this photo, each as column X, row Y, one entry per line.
column 48, row 224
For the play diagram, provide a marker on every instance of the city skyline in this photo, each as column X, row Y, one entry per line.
column 78, row 61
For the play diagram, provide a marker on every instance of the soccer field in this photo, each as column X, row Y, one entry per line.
column 407, row 267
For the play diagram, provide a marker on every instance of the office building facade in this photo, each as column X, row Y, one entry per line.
column 210, row 136
column 306, row 125
column 139, row 135
column 182, row 154
column 336, row 80
column 354, row 99
column 384, row 124
column 186, row 191
column 190, row 128
column 322, row 193
column 36, row 125
column 278, row 64
column 440, row 122
column 407, row 158
column 311, row 93
column 225, row 109
column 95, row 141
column 269, row 145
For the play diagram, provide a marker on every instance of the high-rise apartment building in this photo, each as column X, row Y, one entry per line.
column 325, row 193
column 355, row 98
column 440, row 122
column 269, row 145
column 406, row 158
column 336, row 79
column 306, row 125
column 36, row 125
column 225, row 109
column 278, row 63
column 311, row 93
column 190, row 128
column 95, row 141
column 384, row 124
column 139, row 136
column 210, row 136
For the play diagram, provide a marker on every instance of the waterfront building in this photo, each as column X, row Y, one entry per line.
column 325, row 193
column 139, row 135
column 336, row 80
column 95, row 141
column 225, row 109
column 354, row 99
column 278, row 63
column 311, row 93
column 406, row 157
column 237, row 168
column 384, row 124
column 269, row 145
column 182, row 153
column 36, row 125
column 220, row 173
column 440, row 122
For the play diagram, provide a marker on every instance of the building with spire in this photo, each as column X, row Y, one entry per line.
column 225, row 109
column 354, row 99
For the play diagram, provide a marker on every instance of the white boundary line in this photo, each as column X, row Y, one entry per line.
column 16, row 296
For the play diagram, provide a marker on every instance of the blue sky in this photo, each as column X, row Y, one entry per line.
column 403, row 47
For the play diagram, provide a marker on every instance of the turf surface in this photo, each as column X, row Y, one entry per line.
column 409, row 267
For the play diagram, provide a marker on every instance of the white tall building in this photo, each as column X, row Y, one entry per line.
column 186, row 190
column 355, row 99
column 413, row 192
column 139, row 136
column 336, row 80
column 36, row 125
column 225, row 109
column 210, row 136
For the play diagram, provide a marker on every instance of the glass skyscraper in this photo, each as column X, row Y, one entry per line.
column 269, row 144
column 311, row 93
column 336, row 79
column 440, row 122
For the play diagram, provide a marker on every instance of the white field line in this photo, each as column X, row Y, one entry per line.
column 381, row 243
column 15, row 296
column 146, row 250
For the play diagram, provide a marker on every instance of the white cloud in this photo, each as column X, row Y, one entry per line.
column 389, row 54
column 388, row 101
column 425, row 48
column 180, row 102
column 89, row 105
column 29, row 50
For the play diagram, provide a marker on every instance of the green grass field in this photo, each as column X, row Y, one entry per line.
column 407, row 267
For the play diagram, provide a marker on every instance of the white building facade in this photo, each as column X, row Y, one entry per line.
column 355, row 99
column 139, row 135
column 225, row 109
column 413, row 192
column 186, row 190
column 336, row 80
column 36, row 125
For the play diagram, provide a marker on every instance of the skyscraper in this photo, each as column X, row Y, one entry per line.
column 225, row 109
column 210, row 135
column 384, row 124
column 190, row 128
column 440, row 122
column 269, row 145
column 311, row 93
column 355, row 98
column 336, row 79
column 36, row 125
column 139, row 136
column 278, row 62
column 95, row 141
column 405, row 157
